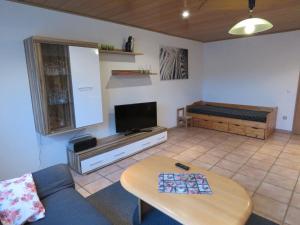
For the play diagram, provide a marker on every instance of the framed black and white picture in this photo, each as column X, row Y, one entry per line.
column 173, row 63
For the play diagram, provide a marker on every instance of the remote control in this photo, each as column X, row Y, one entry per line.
column 184, row 167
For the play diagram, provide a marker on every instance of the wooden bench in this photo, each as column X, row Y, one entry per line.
column 261, row 130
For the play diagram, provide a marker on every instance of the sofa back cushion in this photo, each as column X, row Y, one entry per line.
column 52, row 179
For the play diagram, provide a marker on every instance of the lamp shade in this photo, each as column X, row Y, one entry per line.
column 250, row 26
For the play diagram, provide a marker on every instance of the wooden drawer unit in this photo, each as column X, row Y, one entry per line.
column 237, row 129
column 114, row 149
column 220, row 126
column 101, row 160
column 257, row 129
column 255, row 132
column 205, row 123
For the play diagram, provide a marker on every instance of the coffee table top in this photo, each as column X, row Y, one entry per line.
column 229, row 204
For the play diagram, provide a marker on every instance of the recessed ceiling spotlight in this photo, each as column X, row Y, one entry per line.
column 185, row 14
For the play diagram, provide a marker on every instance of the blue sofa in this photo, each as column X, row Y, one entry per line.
column 63, row 204
column 110, row 206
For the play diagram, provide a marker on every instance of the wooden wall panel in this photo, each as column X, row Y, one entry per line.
column 210, row 22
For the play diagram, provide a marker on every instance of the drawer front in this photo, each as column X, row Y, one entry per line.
column 237, row 129
column 221, row 126
column 195, row 122
column 255, row 132
column 114, row 155
column 159, row 138
column 103, row 159
column 153, row 140
column 205, row 123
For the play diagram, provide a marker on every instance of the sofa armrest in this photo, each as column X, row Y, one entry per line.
column 52, row 179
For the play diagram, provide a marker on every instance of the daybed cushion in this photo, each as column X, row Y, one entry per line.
column 242, row 114
column 68, row 207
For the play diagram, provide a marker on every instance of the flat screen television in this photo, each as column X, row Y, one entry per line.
column 135, row 117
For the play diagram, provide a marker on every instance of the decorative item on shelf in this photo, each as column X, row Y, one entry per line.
column 145, row 69
column 131, row 72
column 129, row 45
column 119, row 52
column 127, row 49
column 107, row 47
column 147, row 72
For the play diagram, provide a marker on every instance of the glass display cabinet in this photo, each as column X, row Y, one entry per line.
column 57, row 78
column 65, row 84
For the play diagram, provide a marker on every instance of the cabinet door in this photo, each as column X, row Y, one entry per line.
column 86, row 85
column 56, row 89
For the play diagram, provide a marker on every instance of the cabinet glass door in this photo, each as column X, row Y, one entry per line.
column 57, row 79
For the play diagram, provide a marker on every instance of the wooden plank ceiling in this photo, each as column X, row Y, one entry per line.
column 210, row 22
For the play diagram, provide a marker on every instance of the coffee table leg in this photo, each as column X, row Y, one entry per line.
column 143, row 209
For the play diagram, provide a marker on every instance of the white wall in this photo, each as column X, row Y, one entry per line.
column 260, row 70
column 19, row 143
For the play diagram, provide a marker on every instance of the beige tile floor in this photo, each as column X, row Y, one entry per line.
column 268, row 169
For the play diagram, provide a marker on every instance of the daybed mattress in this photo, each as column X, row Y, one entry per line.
column 242, row 114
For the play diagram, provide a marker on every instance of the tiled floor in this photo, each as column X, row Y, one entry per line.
column 268, row 169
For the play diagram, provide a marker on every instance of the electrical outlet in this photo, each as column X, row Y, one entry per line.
column 284, row 118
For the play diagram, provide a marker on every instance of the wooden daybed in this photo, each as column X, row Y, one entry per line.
column 252, row 121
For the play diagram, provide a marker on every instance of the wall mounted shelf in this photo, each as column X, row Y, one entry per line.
column 130, row 73
column 119, row 52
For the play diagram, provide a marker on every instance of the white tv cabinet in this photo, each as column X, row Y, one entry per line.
column 114, row 148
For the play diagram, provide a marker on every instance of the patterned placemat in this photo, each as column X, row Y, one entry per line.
column 181, row 183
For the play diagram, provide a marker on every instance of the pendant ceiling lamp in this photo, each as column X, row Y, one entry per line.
column 251, row 25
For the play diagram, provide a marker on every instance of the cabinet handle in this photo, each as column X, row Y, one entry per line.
column 95, row 163
column 85, row 88
column 121, row 153
column 255, row 128
column 148, row 143
column 236, row 125
column 161, row 138
column 219, row 122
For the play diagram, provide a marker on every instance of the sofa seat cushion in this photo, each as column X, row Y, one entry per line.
column 68, row 207
column 155, row 217
column 116, row 204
